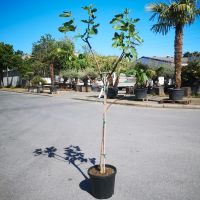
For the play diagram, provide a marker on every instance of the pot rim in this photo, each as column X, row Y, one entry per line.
column 176, row 89
column 105, row 176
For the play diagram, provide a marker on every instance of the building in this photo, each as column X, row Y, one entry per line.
column 156, row 62
column 11, row 78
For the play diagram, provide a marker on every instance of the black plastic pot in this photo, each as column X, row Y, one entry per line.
column 176, row 94
column 102, row 187
column 140, row 93
column 112, row 92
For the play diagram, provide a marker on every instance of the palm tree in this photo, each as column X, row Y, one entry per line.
column 174, row 15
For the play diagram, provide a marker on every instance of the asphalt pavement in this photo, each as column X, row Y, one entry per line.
column 156, row 151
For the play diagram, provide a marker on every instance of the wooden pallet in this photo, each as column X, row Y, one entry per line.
column 143, row 99
column 184, row 101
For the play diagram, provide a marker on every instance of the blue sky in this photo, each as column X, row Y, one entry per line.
column 24, row 22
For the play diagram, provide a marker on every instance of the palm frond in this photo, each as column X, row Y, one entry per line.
column 162, row 28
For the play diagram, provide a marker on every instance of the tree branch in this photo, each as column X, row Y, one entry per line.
column 117, row 62
column 97, row 64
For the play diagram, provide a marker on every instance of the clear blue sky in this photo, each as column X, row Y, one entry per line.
column 23, row 22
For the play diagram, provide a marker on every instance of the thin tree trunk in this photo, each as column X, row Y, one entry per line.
column 178, row 46
column 103, row 145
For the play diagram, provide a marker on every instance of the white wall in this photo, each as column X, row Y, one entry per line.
column 15, row 81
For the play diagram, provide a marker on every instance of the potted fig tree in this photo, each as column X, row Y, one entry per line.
column 125, row 38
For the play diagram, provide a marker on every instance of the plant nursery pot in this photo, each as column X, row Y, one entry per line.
column 140, row 93
column 89, row 88
column 112, row 92
column 176, row 94
column 102, row 186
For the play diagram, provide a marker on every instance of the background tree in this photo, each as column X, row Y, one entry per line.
column 9, row 59
column 191, row 74
column 49, row 51
column 174, row 15
column 191, row 54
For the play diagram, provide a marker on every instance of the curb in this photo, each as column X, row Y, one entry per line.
column 32, row 93
column 172, row 106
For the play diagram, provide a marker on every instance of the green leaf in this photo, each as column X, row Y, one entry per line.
column 93, row 10
column 131, row 28
column 134, row 53
column 88, row 22
column 62, row 29
column 116, row 35
column 72, row 28
column 67, row 28
column 119, row 16
column 117, row 27
column 135, row 20
column 69, row 23
column 114, row 45
column 96, row 25
column 124, row 28
column 93, row 31
column 65, row 14
column 86, row 8
column 116, row 18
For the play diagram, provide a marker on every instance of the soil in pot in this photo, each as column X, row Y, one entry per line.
column 95, row 171
column 102, row 185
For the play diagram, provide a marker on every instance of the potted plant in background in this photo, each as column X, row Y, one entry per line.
column 140, row 73
column 191, row 78
column 87, row 75
column 174, row 15
column 70, row 75
column 37, row 82
column 125, row 38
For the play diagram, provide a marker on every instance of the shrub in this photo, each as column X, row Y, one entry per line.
column 191, row 74
column 36, row 80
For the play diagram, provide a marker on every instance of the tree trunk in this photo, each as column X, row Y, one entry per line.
column 178, row 46
column 116, row 81
column 52, row 74
column 110, row 80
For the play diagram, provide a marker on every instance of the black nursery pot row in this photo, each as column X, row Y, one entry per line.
column 174, row 94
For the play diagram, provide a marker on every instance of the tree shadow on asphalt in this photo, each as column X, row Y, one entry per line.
column 72, row 155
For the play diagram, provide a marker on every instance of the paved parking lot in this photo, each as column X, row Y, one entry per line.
column 156, row 151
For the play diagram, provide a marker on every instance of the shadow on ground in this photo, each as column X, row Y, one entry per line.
column 72, row 155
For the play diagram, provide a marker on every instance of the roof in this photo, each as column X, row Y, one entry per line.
column 167, row 59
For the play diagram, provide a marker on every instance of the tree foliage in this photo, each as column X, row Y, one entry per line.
column 50, row 51
column 9, row 59
column 140, row 71
column 191, row 74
